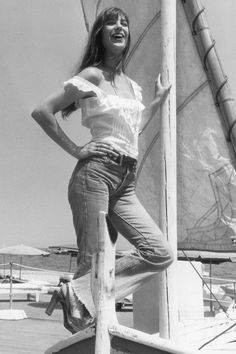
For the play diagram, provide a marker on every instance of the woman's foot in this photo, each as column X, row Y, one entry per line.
column 76, row 317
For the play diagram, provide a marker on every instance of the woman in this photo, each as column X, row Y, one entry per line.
column 104, row 177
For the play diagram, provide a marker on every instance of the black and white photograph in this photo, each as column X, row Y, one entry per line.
column 118, row 176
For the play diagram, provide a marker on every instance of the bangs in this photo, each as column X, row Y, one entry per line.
column 113, row 13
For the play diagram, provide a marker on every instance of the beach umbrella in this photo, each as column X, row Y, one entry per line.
column 22, row 250
column 18, row 250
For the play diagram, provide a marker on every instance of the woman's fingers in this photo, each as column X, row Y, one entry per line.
column 160, row 85
column 159, row 80
column 97, row 148
column 160, row 89
column 105, row 148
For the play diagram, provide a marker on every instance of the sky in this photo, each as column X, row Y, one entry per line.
column 41, row 41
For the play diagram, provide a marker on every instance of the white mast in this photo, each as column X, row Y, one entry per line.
column 168, row 305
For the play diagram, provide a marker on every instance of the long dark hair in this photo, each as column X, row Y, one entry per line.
column 94, row 52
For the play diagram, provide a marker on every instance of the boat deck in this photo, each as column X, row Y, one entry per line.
column 39, row 331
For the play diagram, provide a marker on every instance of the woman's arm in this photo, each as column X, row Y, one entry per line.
column 45, row 113
column 161, row 93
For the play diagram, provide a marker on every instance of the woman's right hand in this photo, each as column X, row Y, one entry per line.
column 98, row 148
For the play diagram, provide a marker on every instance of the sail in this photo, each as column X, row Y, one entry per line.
column 206, row 182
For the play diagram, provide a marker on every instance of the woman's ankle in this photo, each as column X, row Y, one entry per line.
column 76, row 307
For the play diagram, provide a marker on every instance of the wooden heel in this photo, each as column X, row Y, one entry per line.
column 53, row 302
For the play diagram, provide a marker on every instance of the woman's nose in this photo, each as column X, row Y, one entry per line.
column 118, row 24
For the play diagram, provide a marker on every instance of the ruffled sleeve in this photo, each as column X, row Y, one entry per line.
column 77, row 85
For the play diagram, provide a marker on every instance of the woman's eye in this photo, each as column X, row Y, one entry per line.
column 110, row 23
column 113, row 22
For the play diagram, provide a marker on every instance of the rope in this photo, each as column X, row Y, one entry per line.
column 218, row 335
column 192, row 96
column 219, row 89
column 97, row 7
column 195, row 21
column 207, row 52
column 228, row 138
column 147, row 151
column 85, row 17
column 205, row 283
column 141, row 37
column 227, row 329
column 230, row 130
column 39, row 269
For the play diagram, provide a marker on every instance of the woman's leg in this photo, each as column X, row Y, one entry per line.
column 88, row 195
column 152, row 251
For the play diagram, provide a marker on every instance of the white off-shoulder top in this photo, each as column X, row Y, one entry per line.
column 110, row 118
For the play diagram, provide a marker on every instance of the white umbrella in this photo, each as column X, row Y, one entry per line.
column 23, row 250
column 19, row 250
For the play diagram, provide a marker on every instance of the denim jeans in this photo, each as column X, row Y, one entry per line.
column 100, row 184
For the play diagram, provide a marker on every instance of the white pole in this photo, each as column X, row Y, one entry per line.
column 103, row 287
column 168, row 305
column 11, row 265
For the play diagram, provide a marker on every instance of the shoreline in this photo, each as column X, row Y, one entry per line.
column 45, row 277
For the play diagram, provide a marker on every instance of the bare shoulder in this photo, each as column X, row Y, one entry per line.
column 92, row 74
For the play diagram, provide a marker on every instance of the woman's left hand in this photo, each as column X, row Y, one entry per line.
column 161, row 91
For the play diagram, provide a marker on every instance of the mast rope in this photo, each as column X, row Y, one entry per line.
column 195, row 21
column 147, row 151
column 85, row 17
column 207, row 53
column 224, row 82
column 141, row 37
column 219, row 89
column 230, row 130
column 192, row 96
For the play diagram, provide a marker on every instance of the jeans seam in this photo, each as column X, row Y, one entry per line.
column 150, row 262
column 146, row 240
column 123, row 180
column 86, row 214
column 132, row 227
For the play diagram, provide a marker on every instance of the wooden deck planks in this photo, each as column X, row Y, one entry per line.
column 38, row 332
column 30, row 335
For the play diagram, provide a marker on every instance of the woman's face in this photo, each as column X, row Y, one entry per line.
column 115, row 34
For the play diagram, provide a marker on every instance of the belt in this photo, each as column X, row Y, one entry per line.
column 123, row 160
